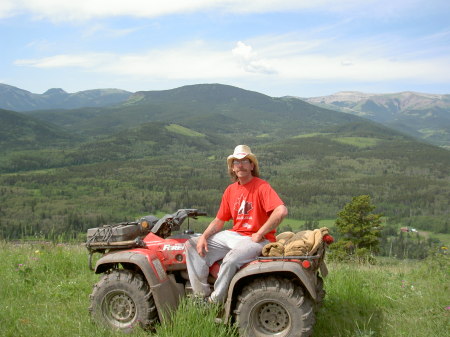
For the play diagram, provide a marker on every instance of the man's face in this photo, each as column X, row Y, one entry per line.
column 243, row 168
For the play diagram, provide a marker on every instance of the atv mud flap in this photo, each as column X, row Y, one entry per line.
column 167, row 296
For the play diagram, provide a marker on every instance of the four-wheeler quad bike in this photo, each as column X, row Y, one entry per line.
column 144, row 277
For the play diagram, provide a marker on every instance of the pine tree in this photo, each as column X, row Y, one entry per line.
column 360, row 230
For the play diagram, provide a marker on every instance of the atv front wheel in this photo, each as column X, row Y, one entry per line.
column 122, row 300
column 274, row 306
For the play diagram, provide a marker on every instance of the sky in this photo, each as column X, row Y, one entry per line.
column 303, row 48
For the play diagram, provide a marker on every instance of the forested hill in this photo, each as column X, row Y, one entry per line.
column 208, row 108
column 164, row 150
column 19, row 132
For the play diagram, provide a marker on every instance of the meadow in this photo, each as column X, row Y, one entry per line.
column 45, row 291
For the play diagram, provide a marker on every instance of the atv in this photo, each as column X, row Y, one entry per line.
column 144, row 277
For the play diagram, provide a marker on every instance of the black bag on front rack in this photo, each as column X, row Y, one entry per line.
column 124, row 231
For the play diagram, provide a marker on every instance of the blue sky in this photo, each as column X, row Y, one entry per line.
column 302, row 48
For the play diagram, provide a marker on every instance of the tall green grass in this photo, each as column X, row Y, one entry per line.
column 45, row 292
column 394, row 298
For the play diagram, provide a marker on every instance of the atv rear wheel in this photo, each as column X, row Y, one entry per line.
column 122, row 300
column 274, row 306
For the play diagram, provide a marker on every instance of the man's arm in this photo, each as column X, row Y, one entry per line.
column 278, row 214
column 215, row 226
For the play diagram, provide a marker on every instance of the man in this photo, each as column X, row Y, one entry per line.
column 256, row 210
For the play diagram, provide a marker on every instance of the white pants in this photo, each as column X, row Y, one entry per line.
column 235, row 250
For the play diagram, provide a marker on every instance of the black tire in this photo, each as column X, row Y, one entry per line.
column 274, row 306
column 122, row 300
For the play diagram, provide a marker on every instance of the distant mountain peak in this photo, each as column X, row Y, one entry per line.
column 418, row 114
column 352, row 96
column 12, row 98
column 55, row 91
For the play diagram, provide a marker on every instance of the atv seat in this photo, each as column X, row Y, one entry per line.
column 214, row 271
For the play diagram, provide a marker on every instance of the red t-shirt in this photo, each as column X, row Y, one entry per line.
column 249, row 206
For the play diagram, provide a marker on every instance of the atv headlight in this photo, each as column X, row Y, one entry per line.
column 145, row 225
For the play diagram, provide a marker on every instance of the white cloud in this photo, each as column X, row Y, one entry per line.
column 107, row 31
column 194, row 60
column 66, row 10
column 199, row 60
column 250, row 61
column 7, row 8
column 381, row 58
column 319, row 67
column 41, row 45
column 65, row 61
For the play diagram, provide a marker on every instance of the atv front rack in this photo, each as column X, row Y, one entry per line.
column 102, row 246
column 96, row 246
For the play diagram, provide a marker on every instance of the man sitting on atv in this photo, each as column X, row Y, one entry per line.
column 256, row 210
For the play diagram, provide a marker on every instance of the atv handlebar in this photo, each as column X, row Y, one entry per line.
column 192, row 212
column 171, row 222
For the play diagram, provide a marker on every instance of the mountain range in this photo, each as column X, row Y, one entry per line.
column 424, row 116
column 220, row 114
column 12, row 98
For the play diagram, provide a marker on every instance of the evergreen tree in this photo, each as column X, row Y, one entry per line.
column 359, row 229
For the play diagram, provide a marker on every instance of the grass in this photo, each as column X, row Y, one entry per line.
column 313, row 134
column 394, row 298
column 442, row 237
column 183, row 131
column 45, row 291
column 360, row 142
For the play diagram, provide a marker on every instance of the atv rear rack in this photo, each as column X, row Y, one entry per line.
column 308, row 261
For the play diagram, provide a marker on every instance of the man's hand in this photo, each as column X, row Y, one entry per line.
column 202, row 246
column 215, row 226
column 274, row 220
column 256, row 237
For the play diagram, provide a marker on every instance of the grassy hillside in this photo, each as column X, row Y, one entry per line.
column 45, row 292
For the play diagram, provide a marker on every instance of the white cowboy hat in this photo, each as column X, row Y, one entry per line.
column 241, row 152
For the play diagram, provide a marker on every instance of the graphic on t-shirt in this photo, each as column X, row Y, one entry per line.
column 247, row 225
column 244, row 206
